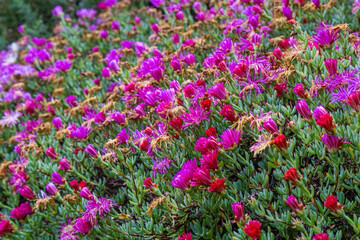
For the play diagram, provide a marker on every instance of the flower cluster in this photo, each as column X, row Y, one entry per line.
column 184, row 119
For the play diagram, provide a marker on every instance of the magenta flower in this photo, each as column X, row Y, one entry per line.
column 63, row 66
column 57, row 178
column 119, row 118
column 218, row 91
column 303, row 108
column 92, row 151
column 333, row 143
column 85, row 193
column 204, row 146
column 239, row 211
column 271, row 127
column 58, row 123
column 331, row 66
column 51, row 153
column 190, row 59
column 294, row 204
column 201, row 177
column 319, row 112
column 211, row 160
column 114, row 66
column 81, row 133
column 195, row 117
column 51, row 189
column 354, row 101
column 106, row 73
column 65, row 165
column 231, row 139
column 21, row 212
column 326, row 37
column 104, row 34
column 82, row 226
column 71, row 100
column 183, row 178
column 287, row 13
column 115, row 26
column 26, row 192
column 300, row 91
column 123, row 137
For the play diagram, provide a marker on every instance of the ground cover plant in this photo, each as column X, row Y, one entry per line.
column 184, row 120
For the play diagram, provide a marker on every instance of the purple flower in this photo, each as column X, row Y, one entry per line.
column 114, row 66
column 195, row 117
column 104, row 34
column 86, row 13
column 21, row 29
column 326, row 37
column 287, row 13
column 57, row 178
column 218, row 91
column 140, row 110
column 333, row 143
column 85, row 193
column 254, row 21
column 21, row 212
column 51, row 189
column 231, row 139
column 161, row 167
column 58, row 11
column 68, row 232
column 57, row 123
column 97, row 207
column 303, row 108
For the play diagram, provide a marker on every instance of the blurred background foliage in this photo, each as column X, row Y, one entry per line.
column 36, row 15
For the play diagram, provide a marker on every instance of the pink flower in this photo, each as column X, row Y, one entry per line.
column 26, row 192
column 57, row 178
column 333, row 143
column 239, row 211
column 294, row 204
column 231, row 139
column 85, row 193
column 51, row 153
column 211, row 160
column 20, row 213
column 201, row 177
column 218, row 91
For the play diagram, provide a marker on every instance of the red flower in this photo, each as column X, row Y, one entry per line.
column 280, row 89
column 206, row 104
column 83, row 184
column 229, row 113
column 79, row 150
column 148, row 183
column 145, row 146
column 333, row 205
column 281, row 142
column 253, row 229
column 75, row 185
column 177, row 124
column 149, row 131
column 284, row 44
column 218, row 186
column 293, row 176
column 326, row 122
column 211, row 132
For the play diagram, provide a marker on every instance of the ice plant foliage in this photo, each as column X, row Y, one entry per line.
column 229, row 119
